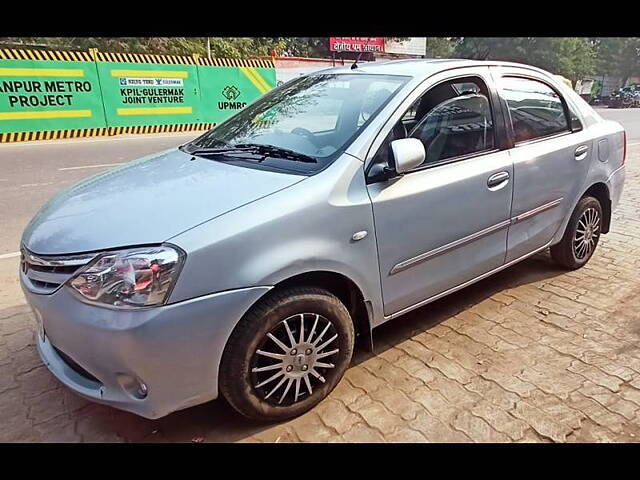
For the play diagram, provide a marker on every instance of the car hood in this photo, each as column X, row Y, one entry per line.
column 146, row 201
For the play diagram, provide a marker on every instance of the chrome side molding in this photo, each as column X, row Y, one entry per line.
column 449, row 246
column 536, row 211
column 405, row 264
column 462, row 285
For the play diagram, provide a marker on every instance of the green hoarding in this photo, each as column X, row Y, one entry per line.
column 38, row 95
column 49, row 95
column 149, row 94
column 225, row 90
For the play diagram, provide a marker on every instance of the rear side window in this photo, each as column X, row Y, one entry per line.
column 536, row 109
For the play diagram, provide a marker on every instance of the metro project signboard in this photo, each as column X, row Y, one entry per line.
column 356, row 44
column 37, row 95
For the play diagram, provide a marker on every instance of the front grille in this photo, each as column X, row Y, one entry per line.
column 75, row 366
column 45, row 273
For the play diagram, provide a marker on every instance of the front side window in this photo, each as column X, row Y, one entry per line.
column 452, row 119
column 316, row 116
column 536, row 109
column 456, row 127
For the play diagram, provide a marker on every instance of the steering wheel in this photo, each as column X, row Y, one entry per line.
column 303, row 132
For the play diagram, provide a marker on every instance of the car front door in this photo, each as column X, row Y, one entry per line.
column 444, row 223
column 551, row 154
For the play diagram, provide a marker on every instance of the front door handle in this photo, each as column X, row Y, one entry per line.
column 581, row 152
column 497, row 180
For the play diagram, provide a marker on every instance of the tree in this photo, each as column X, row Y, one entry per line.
column 441, row 47
column 230, row 47
column 619, row 56
column 572, row 57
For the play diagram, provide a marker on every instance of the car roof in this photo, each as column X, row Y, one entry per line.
column 420, row 67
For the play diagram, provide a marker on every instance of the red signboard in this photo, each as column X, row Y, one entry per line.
column 356, row 44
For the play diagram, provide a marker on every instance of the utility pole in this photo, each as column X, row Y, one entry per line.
column 208, row 48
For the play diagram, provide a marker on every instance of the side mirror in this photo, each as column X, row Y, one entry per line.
column 408, row 153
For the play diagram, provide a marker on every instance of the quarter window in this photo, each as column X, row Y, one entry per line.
column 536, row 109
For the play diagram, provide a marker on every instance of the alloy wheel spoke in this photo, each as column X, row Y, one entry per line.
column 284, row 379
column 301, row 328
column 313, row 329
column 270, row 379
column 583, row 249
column 321, row 335
column 319, row 349
column 317, row 375
column 326, row 354
column 277, row 356
column 324, row 365
column 295, row 399
column 278, row 342
column 289, row 333
column 275, row 366
column 308, row 383
column 286, row 390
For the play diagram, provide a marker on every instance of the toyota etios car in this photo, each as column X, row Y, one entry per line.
column 245, row 262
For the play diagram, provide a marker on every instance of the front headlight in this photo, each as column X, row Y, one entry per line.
column 138, row 277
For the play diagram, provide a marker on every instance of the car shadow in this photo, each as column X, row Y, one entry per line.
column 216, row 421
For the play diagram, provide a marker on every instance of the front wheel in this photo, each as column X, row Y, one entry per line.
column 581, row 235
column 287, row 354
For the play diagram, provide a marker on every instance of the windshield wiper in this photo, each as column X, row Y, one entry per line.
column 260, row 149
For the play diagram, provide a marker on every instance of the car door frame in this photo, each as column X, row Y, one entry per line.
column 498, row 71
column 566, row 204
column 501, row 139
column 501, row 144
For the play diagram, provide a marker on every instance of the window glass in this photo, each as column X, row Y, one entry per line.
column 451, row 119
column 536, row 109
column 375, row 96
column 315, row 115
column 458, row 126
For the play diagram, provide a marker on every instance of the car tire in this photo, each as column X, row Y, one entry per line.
column 581, row 236
column 246, row 368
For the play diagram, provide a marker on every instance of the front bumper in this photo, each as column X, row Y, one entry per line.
column 175, row 350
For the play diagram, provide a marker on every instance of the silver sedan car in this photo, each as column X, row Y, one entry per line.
column 246, row 262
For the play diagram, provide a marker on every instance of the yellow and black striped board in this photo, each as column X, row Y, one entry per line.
column 101, row 132
column 58, row 56
column 93, row 55
column 144, row 58
column 238, row 62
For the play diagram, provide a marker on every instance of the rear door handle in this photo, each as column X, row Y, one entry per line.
column 581, row 152
column 497, row 180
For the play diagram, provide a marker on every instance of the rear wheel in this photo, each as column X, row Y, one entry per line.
column 581, row 235
column 287, row 354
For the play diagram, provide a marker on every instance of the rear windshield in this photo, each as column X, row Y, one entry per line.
column 317, row 116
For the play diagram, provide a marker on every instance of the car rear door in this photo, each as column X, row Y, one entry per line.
column 551, row 154
column 445, row 223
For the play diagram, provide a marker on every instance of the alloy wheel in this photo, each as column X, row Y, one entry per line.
column 586, row 235
column 294, row 358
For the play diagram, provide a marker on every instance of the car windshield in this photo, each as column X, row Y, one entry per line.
column 314, row 116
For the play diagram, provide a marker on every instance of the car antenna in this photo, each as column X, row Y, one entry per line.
column 355, row 64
